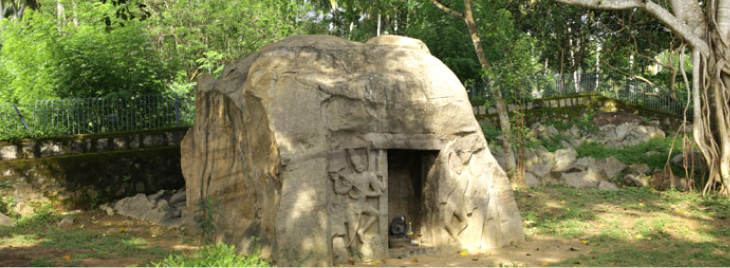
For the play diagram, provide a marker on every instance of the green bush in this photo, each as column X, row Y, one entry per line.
column 6, row 202
column 41, row 59
column 634, row 154
column 218, row 255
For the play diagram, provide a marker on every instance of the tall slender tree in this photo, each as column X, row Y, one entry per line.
column 504, row 121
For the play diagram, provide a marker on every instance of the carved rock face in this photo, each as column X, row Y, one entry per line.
column 297, row 142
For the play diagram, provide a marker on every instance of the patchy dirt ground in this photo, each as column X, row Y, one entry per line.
column 537, row 251
column 563, row 227
column 94, row 239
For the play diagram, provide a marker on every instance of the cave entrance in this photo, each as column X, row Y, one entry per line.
column 407, row 173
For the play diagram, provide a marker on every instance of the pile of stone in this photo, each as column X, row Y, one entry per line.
column 6, row 221
column 610, row 135
column 163, row 208
column 627, row 134
column 563, row 167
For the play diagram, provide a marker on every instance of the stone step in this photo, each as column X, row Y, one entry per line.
column 408, row 252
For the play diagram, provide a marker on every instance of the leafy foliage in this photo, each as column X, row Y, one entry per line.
column 218, row 255
column 42, row 60
column 204, row 218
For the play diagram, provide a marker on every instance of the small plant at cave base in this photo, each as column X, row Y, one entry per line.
column 6, row 204
column 7, row 184
column 205, row 218
column 218, row 255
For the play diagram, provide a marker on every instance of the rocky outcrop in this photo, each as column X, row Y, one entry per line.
column 302, row 144
column 627, row 134
column 6, row 221
column 695, row 161
column 164, row 207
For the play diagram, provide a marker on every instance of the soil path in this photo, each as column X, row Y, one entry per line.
column 538, row 251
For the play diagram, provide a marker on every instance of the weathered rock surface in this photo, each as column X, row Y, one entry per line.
column 637, row 179
column 663, row 180
column 531, row 180
column 163, row 207
column 695, row 160
column 607, row 186
column 640, row 168
column 6, row 221
column 627, row 134
column 296, row 142
column 564, row 159
column 66, row 221
column 584, row 179
column 616, row 118
column 611, row 166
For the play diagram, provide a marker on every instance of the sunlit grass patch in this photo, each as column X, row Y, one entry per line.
column 218, row 255
column 631, row 226
column 17, row 240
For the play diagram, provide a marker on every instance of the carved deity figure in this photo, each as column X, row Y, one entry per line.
column 455, row 210
column 359, row 184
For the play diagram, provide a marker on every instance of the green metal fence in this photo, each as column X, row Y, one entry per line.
column 96, row 115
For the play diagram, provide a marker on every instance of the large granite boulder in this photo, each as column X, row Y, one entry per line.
column 314, row 143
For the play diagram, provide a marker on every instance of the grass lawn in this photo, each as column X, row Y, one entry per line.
column 95, row 239
column 631, row 226
column 627, row 227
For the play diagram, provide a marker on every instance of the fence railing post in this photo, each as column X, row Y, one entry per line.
column 22, row 119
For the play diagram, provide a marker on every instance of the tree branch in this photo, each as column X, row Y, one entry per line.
column 628, row 74
column 453, row 13
column 656, row 11
column 670, row 67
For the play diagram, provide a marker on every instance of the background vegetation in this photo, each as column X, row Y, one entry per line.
column 87, row 48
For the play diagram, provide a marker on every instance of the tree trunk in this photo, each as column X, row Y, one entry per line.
column 504, row 122
column 73, row 9
column 597, row 76
column 379, row 21
column 59, row 15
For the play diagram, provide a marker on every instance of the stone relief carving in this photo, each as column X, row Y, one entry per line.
column 354, row 183
column 454, row 204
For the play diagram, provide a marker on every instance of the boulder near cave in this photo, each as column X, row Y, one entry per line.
column 313, row 144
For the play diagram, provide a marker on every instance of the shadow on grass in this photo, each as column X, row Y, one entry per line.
column 36, row 241
column 632, row 226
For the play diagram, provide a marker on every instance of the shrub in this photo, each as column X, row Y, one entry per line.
column 218, row 255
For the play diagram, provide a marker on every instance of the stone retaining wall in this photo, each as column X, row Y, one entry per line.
column 572, row 107
column 90, row 143
column 87, row 170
